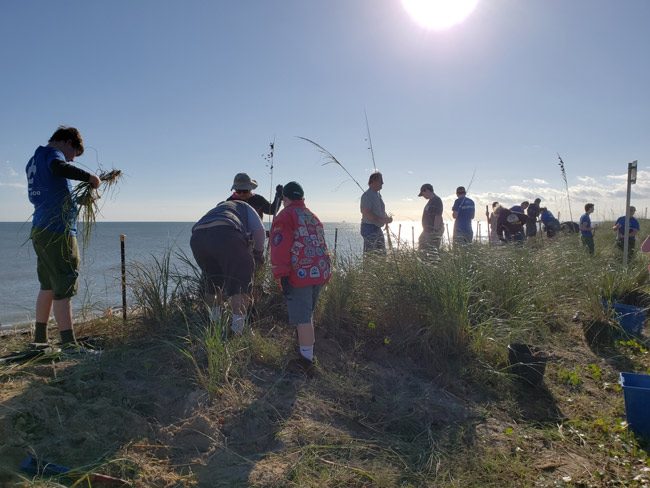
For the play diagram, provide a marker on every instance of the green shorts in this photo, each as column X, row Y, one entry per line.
column 57, row 262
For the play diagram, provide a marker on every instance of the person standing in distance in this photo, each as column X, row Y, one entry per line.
column 54, row 229
column 373, row 215
column 533, row 212
column 586, row 229
column 619, row 227
column 432, row 223
column 463, row 214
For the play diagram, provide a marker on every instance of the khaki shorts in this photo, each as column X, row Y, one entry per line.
column 57, row 262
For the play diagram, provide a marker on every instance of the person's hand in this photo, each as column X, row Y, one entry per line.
column 389, row 220
column 278, row 189
column 94, row 181
column 284, row 284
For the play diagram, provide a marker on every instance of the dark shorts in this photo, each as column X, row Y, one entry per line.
column 465, row 237
column 301, row 303
column 373, row 238
column 430, row 240
column 588, row 242
column 225, row 259
column 57, row 262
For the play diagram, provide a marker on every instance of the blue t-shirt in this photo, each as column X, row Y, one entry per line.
column 50, row 194
column 546, row 217
column 634, row 224
column 586, row 221
column 464, row 207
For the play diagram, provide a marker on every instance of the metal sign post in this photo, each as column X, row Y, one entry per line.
column 631, row 179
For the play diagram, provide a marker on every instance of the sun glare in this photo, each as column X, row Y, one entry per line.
column 439, row 14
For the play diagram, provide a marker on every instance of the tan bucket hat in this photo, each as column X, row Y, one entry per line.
column 243, row 182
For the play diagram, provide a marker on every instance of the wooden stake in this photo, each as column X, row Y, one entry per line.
column 123, row 258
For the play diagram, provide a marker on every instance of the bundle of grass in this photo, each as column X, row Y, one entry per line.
column 85, row 198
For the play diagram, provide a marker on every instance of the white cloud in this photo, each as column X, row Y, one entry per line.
column 588, row 180
column 14, row 185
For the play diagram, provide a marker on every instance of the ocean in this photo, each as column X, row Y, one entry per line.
column 99, row 273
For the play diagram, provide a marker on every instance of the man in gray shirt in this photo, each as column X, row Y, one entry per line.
column 432, row 223
column 373, row 215
column 227, row 244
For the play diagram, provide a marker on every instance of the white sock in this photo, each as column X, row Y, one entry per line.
column 215, row 313
column 237, row 325
column 307, row 352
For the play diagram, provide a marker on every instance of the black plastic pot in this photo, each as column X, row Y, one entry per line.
column 527, row 362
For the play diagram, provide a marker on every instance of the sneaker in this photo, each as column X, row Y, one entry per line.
column 73, row 349
column 302, row 366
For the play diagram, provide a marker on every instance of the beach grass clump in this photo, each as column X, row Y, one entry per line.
column 339, row 306
column 153, row 288
column 474, row 299
column 217, row 360
column 86, row 199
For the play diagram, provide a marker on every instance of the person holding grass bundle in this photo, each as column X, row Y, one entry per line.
column 227, row 244
column 301, row 263
column 54, row 230
column 243, row 187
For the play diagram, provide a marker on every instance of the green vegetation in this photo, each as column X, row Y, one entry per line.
column 413, row 389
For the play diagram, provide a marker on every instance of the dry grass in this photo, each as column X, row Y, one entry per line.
column 434, row 405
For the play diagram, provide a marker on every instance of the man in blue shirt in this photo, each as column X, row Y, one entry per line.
column 586, row 229
column 463, row 214
column 634, row 230
column 550, row 223
column 54, row 228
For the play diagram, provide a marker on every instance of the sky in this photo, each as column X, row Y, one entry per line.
column 181, row 96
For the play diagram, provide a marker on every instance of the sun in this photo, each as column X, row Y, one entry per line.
column 439, row 14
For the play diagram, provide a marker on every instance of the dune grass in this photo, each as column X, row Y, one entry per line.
column 414, row 388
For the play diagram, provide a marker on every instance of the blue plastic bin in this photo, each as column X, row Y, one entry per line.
column 636, row 391
column 630, row 318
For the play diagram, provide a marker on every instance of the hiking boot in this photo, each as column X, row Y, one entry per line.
column 302, row 366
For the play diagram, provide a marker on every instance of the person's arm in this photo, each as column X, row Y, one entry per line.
column 70, row 171
column 281, row 243
column 277, row 201
column 368, row 214
column 256, row 230
column 438, row 223
column 454, row 210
